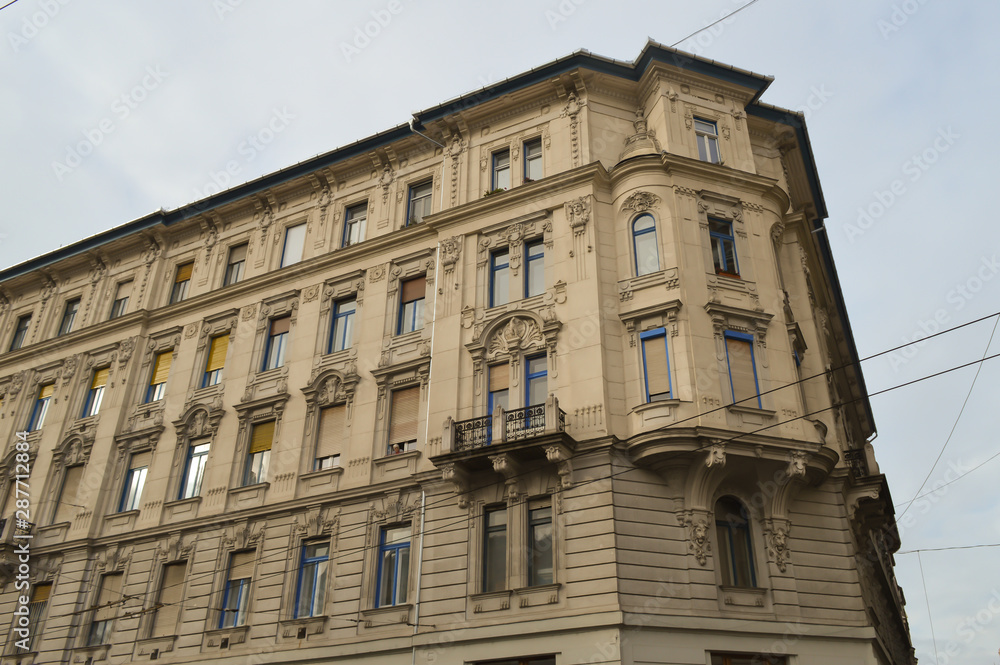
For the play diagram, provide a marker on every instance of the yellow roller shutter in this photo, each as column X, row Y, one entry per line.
column 217, row 353
column 403, row 418
column 262, row 437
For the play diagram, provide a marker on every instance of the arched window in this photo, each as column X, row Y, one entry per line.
column 647, row 256
column 732, row 526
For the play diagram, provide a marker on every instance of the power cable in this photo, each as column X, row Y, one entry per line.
column 732, row 13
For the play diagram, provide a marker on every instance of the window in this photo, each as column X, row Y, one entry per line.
column 168, row 601
column 310, row 593
column 707, row 134
column 69, row 316
column 20, row 332
column 120, row 306
column 534, row 272
column 533, row 160
column 723, row 247
column 105, row 609
column 742, row 371
column 419, row 202
column 259, row 455
column 732, row 526
column 236, row 264
column 537, row 380
column 41, row 407
column 403, row 419
column 499, row 277
column 500, row 178
column 194, row 469
column 182, row 279
column 655, row 364
column 747, row 659
column 543, row 660
column 216, row 361
column 354, row 223
column 65, row 504
column 499, row 393
column 411, row 305
column 39, row 599
column 277, row 338
column 96, row 393
column 135, row 481
column 158, row 380
column 647, row 254
column 236, row 596
column 540, row 542
column 342, row 330
column 495, row 549
column 295, row 241
column 332, row 425
column 393, row 566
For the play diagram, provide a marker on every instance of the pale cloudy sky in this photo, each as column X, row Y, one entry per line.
column 112, row 110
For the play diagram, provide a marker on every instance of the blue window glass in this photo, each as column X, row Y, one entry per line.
column 732, row 526
column 342, row 330
column 537, row 380
column 742, row 369
column 41, row 407
column 194, row 470
column 393, row 566
column 499, row 277
column 540, row 544
column 277, row 340
column 655, row 364
column 501, row 170
column 723, row 247
column 647, row 254
column 499, row 391
column 534, row 269
column 135, row 480
column 96, row 393
column 411, row 305
column 310, row 594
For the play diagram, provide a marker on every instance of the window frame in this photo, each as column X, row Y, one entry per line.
column 749, row 340
column 157, row 391
column 199, row 471
column 731, row 566
column 41, row 408
column 653, row 334
column 71, row 309
column 119, row 306
column 488, row 530
column 334, row 345
column 414, row 196
column 352, row 223
column 319, row 580
column 417, row 315
column 637, row 238
column 242, row 586
column 532, row 159
column 20, row 332
column 500, row 171
column 179, row 291
column 275, row 358
column 283, row 262
column 529, row 377
column 403, row 445
column 237, row 267
column 95, row 395
column 706, row 140
column 533, row 264
column 719, row 259
column 532, row 523
column 135, row 483
column 398, row 570
column 261, row 459
column 213, row 377
column 497, row 269
column 36, row 615
column 102, row 628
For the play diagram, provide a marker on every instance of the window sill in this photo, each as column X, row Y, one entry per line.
column 97, row 653
column 533, row 596
column 214, row 639
column 248, row 496
column 753, row 411
column 490, row 601
column 290, row 629
column 734, row 597
column 653, row 414
column 326, row 480
column 394, row 615
column 181, row 508
column 117, row 523
column 52, row 534
column 159, row 644
column 394, row 465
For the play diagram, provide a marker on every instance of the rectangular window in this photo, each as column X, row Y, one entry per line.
column 534, row 269
column 277, row 340
column 41, row 408
column 236, row 596
column 182, row 278
column 259, row 455
column 295, row 242
column 39, row 599
column 393, row 566
column 168, row 602
column 194, row 469
column 69, row 316
column 342, row 328
column 655, row 364
column 96, row 393
column 122, row 294
column 311, row 590
column 411, row 305
column 66, row 503
column 216, row 360
column 236, row 264
column 707, row 134
column 540, row 543
column 354, row 223
column 105, row 609
column 533, row 160
column 332, row 425
column 747, row 659
column 499, row 387
column 499, row 277
column 403, row 412
column 501, row 170
column 419, row 202
column 135, row 481
column 742, row 371
column 20, row 332
column 723, row 247
column 158, row 380
column 537, row 380
column 495, row 549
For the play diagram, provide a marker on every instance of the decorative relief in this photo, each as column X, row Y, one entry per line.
column 114, row 558
column 641, row 201
column 716, row 456
column 243, row 537
column 572, row 111
column 776, row 535
column 452, row 473
column 377, row 273
column 519, row 333
column 578, row 213
column 564, row 465
column 310, row 293
column 385, row 181
column 451, row 251
column 172, row 548
column 698, row 542
column 249, row 312
column 796, row 464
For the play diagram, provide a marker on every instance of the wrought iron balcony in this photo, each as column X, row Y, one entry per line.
column 503, row 426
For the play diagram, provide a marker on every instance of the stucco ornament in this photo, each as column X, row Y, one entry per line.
column 517, row 334
column 699, row 543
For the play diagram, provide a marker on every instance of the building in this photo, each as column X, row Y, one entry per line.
column 558, row 373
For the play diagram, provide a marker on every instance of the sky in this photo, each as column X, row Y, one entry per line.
column 114, row 110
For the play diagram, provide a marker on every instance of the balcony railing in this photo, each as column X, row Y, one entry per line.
column 502, row 426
